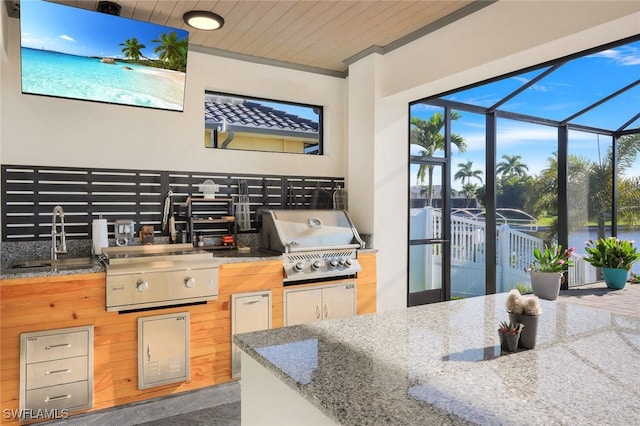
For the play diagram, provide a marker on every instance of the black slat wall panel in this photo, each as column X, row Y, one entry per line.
column 29, row 194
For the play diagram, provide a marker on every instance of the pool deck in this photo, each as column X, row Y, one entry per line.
column 625, row 301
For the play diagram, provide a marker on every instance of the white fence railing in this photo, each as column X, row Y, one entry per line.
column 514, row 253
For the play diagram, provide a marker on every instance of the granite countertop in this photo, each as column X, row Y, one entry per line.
column 218, row 256
column 442, row 364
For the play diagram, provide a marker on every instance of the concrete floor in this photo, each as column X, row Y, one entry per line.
column 220, row 405
column 215, row 406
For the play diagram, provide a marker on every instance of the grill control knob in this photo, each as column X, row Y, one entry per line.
column 298, row 266
column 189, row 282
column 316, row 265
column 342, row 261
column 348, row 262
column 333, row 263
column 142, row 286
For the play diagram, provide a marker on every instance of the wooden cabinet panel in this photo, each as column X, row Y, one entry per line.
column 30, row 304
column 367, row 284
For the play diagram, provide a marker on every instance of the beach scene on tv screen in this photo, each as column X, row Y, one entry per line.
column 75, row 53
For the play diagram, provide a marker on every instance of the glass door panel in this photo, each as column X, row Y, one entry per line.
column 426, row 233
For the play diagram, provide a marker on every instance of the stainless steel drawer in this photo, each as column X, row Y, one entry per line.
column 55, row 346
column 57, row 372
column 70, row 395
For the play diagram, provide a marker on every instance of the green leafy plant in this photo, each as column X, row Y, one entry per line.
column 523, row 288
column 551, row 259
column 510, row 327
column 611, row 253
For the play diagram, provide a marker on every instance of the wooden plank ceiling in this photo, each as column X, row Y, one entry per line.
column 315, row 34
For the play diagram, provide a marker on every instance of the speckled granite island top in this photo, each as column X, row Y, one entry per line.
column 442, row 364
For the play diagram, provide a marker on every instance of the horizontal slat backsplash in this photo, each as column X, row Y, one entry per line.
column 29, row 194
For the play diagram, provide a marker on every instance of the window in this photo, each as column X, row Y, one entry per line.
column 253, row 124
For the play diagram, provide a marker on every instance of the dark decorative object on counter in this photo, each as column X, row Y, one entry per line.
column 509, row 335
column 524, row 310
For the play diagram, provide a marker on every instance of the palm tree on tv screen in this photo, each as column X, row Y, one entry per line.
column 172, row 51
column 133, row 49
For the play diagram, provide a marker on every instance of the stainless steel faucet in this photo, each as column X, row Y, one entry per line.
column 55, row 250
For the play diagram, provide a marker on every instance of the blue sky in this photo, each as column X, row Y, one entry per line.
column 558, row 96
column 83, row 32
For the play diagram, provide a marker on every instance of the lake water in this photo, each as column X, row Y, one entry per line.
column 70, row 76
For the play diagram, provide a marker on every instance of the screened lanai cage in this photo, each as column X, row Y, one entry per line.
column 558, row 142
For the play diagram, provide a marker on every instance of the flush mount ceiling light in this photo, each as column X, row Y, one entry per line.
column 203, row 20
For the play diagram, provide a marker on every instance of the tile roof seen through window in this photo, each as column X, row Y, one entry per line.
column 249, row 113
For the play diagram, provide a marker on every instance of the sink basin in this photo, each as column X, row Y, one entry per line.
column 74, row 262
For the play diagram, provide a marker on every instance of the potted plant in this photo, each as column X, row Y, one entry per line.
column 509, row 335
column 524, row 310
column 614, row 256
column 547, row 270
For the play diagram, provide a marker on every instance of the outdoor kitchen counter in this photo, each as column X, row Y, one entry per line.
column 441, row 364
column 219, row 256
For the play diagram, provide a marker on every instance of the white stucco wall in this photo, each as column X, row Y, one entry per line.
column 50, row 131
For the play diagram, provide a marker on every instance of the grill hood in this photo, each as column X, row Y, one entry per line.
column 290, row 231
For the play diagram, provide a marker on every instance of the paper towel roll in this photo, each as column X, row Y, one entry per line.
column 99, row 235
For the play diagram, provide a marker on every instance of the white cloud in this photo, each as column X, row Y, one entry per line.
column 67, row 38
column 625, row 56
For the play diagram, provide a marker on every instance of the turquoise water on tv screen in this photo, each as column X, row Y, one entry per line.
column 70, row 76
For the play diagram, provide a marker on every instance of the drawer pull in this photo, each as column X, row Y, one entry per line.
column 66, row 370
column 57, row 398
column 252, row 302
column 61, row 345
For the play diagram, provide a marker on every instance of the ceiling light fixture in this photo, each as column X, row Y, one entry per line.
column 203, row 20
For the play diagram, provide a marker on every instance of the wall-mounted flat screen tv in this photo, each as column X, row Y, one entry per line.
column 76, row 53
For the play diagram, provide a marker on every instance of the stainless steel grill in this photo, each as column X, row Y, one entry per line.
column 316, row 244
column 156, row 276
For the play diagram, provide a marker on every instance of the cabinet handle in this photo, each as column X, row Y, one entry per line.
column 318, row 311
column 326, row 310
column 252, row 302
column 149, row 352
column 57, row 398
column 61, row 345
column 66, row 370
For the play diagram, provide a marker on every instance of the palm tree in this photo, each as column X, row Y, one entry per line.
column 132, row 49
column 511, row 166
column 172, row 51
column 469, row 190
column 466, row 172
column 427, row 135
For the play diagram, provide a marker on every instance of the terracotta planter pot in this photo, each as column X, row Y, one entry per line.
column 546, row 285
column 615, row 278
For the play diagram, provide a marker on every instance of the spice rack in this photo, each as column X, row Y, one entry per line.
column 212, row 223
